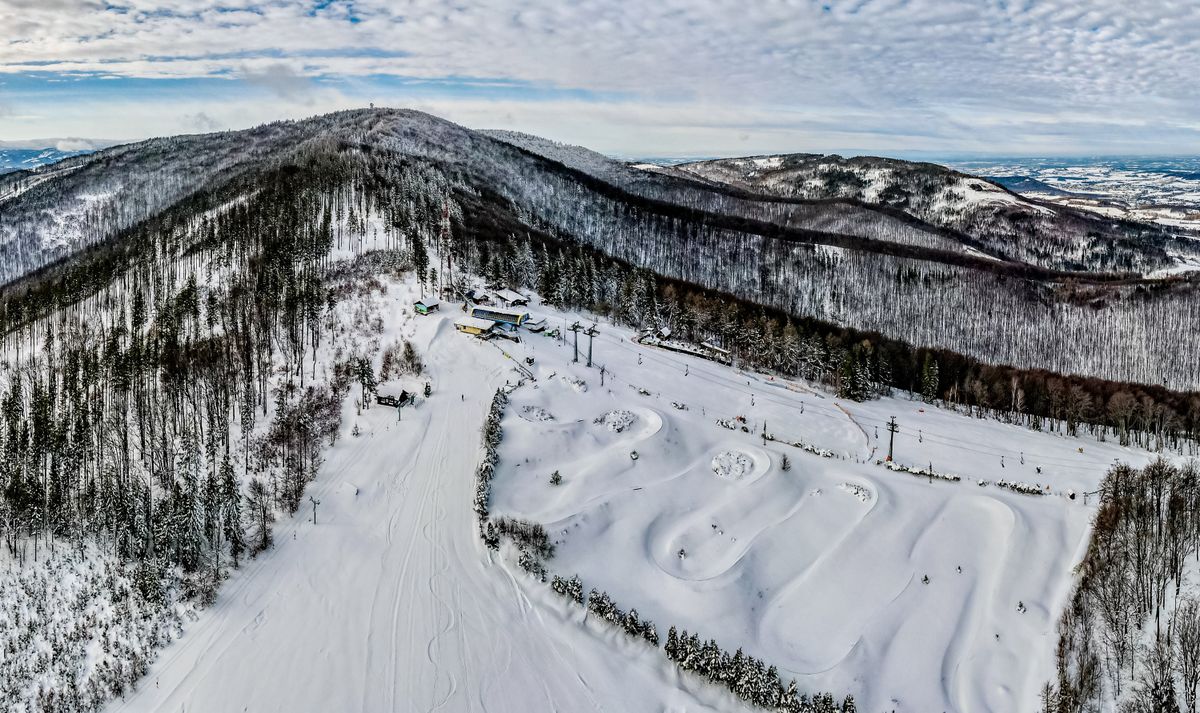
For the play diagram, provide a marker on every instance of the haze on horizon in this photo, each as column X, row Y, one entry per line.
column 697, row 78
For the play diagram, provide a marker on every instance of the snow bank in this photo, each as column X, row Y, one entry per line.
column 617, row 420
column 536, row 413
column 861, row 492
column 732, row 465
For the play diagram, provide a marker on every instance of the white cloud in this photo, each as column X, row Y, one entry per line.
column 75, row 144
column 876, row 73
column 282, row 81
column 202, row 122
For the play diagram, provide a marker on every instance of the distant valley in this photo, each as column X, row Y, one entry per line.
column 1162, row 190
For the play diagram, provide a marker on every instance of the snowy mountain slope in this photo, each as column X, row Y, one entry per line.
column 1011, row 225
column 579, row 158
column 246, row 318
column 390, row 602
column 810, row 258
column 690, row 189
column 51, row 212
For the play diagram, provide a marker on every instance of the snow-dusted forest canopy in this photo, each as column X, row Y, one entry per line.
column 868, row 267
column 162, row 402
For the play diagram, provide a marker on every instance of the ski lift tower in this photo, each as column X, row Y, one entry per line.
column 444, row 247
column 591, row 332
column 576, row 327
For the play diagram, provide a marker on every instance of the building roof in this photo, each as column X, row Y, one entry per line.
column 428, row 302
column 474, row 322
column 511, row 297
column 495, row 309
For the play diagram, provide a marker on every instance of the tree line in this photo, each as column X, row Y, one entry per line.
column 1130, row 633
column 852, row 363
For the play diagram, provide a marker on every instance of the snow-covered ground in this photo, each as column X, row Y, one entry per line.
column 820, row 569
column 390, row 602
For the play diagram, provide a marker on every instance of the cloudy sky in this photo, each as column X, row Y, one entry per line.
column 646, row 78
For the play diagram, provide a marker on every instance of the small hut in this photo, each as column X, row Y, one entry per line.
column 427, row 305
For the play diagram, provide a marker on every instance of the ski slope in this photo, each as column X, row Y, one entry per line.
column 820, row 570
column 390, row 602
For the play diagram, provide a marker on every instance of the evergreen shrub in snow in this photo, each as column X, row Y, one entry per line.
column 747, row 677
column 1020, row 487
column 76, row 631
column 922, row 472
column 570, row 588
column 487, row 467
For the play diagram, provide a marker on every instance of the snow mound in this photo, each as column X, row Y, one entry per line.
column 732, row 465
column 617, row 420
column 575, row 383
column 536, row 413
column 862, row 493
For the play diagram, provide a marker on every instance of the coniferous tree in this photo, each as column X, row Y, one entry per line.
column 231, row 511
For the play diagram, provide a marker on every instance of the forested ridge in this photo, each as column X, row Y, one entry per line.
column 817, row 260
column 826, row 297
column 162, row 397
column 1002, row 222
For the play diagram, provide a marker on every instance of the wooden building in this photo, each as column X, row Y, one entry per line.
column 426, row 306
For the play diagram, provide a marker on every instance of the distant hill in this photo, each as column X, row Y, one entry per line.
column 1003, row 223
column 1027, row 184
column 14, row 159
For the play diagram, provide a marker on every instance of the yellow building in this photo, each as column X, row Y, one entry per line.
column 475, row 325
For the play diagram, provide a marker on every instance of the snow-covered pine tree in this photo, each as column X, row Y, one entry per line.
column 930, row 380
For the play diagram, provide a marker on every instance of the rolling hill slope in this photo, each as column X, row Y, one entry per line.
column 1008, row 224
column 811, row 258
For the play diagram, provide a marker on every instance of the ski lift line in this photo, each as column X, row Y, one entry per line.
column 968, row 445
column 943, row 439
column 832, row 413
column 733, row 384
column 835, row 414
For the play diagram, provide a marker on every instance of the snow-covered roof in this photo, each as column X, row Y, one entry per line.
column 474, row 322
column 428, row 302
column 510, row 296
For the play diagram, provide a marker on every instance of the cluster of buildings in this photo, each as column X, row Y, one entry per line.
column 490, row 313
